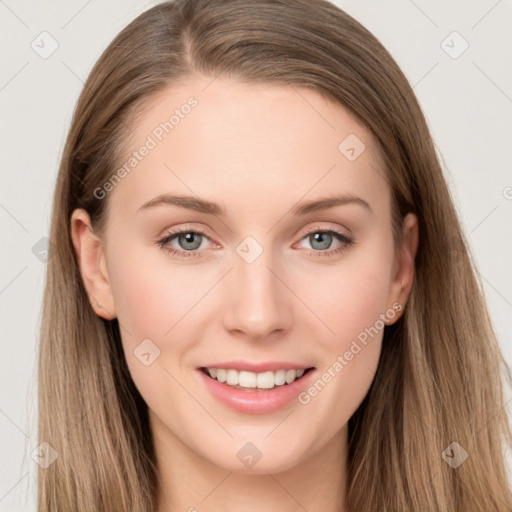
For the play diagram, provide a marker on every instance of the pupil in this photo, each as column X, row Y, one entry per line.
column 319, row 237
column 188, row 238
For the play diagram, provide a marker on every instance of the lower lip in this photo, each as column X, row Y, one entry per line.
column 256, row 402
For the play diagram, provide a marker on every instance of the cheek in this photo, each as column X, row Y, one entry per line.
column 352, row 296
column 162, row 301
column 353, row 309
column 154, row 301
column 361, row 303
column 152, row 295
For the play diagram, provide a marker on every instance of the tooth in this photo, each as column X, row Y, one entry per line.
column 232, row 377
column 280, row 378
column 265, row 380
column 290, row 376
column 247, row 379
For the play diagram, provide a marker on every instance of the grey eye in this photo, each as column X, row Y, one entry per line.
column 187, row 242
column 324, row 240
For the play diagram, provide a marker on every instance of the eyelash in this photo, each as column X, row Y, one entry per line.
column 347, row 241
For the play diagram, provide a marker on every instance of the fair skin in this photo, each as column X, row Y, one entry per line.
column 258, row 150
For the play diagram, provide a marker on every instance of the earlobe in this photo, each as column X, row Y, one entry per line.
column 402, row 282
column 92, row 261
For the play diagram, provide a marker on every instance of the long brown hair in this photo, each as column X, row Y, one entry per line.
column 439, row 379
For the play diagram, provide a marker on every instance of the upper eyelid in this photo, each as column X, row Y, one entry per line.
column 314, row 229
column 172, row 234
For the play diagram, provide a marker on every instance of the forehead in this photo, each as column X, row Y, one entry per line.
column 253, row 143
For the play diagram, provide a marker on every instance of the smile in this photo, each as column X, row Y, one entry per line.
column 253, row 381
column 255, row 392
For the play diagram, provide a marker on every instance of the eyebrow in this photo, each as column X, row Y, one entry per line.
column 210, row 208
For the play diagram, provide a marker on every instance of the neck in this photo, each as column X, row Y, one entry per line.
column 189, row 481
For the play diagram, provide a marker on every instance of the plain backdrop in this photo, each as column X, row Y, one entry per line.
column 463, row 81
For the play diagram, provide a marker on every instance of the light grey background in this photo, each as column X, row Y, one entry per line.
column 467, row 101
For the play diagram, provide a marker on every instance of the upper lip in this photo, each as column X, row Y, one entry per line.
column 257, row 367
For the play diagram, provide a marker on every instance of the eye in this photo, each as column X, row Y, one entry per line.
column 189, row 241
column 322, row 239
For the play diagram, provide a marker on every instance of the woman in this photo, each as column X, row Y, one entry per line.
column 260, row 296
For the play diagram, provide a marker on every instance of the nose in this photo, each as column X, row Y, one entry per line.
column 259, row 303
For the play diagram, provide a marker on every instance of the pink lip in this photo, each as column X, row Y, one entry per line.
column 256, row 402
column 257, row 367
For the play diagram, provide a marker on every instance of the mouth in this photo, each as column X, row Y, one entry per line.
column 252, row 381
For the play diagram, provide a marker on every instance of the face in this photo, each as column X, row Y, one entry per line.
column 264, row 275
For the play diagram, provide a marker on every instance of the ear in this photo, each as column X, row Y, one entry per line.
column 92, row 262
column 403, row 268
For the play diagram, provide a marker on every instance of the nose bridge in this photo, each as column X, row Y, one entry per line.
column 258, row 303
